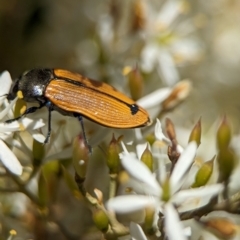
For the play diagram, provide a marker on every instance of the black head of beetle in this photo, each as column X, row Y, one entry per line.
column 32, row 85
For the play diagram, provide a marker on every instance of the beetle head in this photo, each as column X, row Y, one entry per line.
column 31, row 84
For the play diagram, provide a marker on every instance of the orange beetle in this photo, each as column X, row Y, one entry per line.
column 72, row 94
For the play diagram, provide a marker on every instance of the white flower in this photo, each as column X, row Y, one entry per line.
column 7, row 158
column 168, row 42
column 155, row 195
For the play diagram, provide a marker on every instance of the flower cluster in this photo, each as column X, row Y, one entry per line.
column 166, row 192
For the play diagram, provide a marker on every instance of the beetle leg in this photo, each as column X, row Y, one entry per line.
column 80, row 119
column 50, row 109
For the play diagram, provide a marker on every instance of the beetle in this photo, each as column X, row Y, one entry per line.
column 75, row 95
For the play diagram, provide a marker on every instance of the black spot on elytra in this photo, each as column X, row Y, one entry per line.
column 134, row 109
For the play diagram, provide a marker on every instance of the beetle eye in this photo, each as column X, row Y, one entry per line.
column 13, row 90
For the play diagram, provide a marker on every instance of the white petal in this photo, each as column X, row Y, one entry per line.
column 167, row 68
column 105, row 29
column 137, row 232
column 148, row 57
column 159, row 133
column 139, row 171
column 140, row 148
column 182, row 166
column 187, row 232
column 32, row 123
column 174, row 228
column 130, row 203
column 169, row 12
column 9, row 127
column 9, row 160
column 125, row 151
column 189, row 49
column 155, row 98
column 159, row 152
column 180, row 148
column 194, row 193
column 5, row 83
column 138, row 134
column 38, row 136
column 7, row 109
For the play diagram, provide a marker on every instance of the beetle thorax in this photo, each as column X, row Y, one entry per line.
column 33, row 86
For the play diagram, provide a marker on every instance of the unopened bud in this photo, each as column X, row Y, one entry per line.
column 221, row 227
column 138, row 15
column 180, row 91
column 113, row 160
column 147, row 158
column 80, row 156
column 100, row 219
column 170, row 129
column 196, row 133
column 224, row 134
column 135, row 82
column 203, row 174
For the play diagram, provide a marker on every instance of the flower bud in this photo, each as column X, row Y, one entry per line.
column 196, row 133
column 80, row 156
column 223, row 134
column 150, row 138
column 221, row 227
column 100, row 219
column 203, row 174
column 170, row 129
column 147, row 158
column 138, row 15
column 135, row 83
column 180, row 91
column 113, row 160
